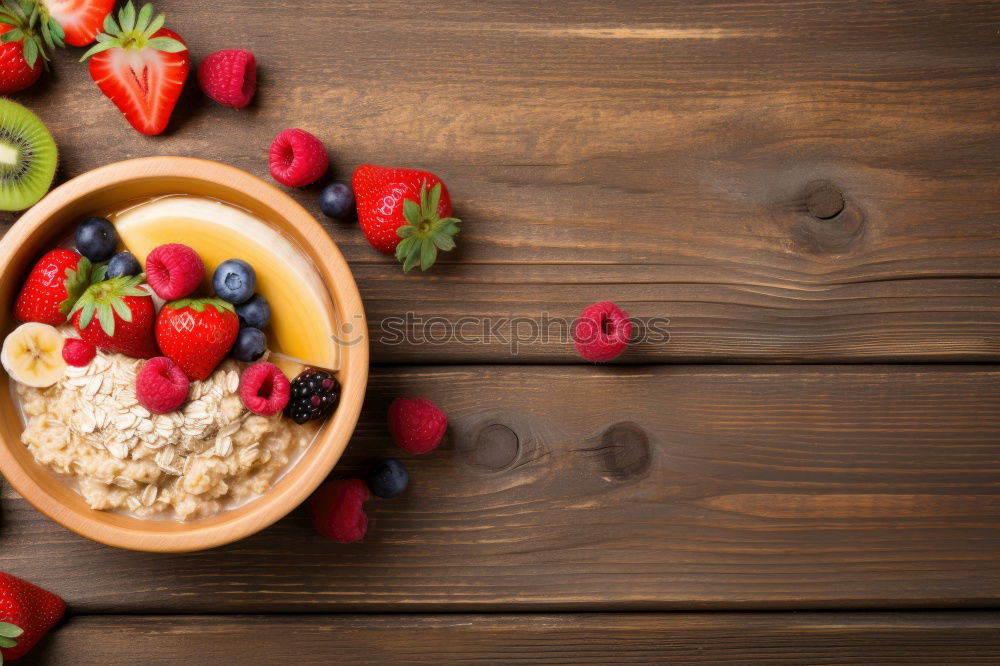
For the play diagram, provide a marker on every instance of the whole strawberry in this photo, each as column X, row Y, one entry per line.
column 117, row 315
column 53, row 287
column 417, row 424
column 22, row 52
column 197, row 333
column 26, row 613
column 406, row 211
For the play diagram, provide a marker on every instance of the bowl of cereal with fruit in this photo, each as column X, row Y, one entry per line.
column 186, row 353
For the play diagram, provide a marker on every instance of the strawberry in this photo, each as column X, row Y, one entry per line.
column 25, row 36
column 80, row 20
column 404, row 210
column 140, row 66
column 197, row 333
column 26, row 613
column 117, row 315
column 53, row 287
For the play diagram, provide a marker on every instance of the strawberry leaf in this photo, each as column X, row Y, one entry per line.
column 166, row 44
column 30, row 52
column 12, row 35
column 8, row 630
column 121, row 310
column 126, row 17
column 87, row 314
column 199, row 304
column 110, row 26
column 106, row 318
column 76, row 283
column 98, row 47
column 7, row 642
column 426, row 231
column 142, row 22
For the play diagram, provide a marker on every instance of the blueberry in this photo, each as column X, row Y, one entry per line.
column 337, row 201
column 96, row 239
column 234, row 281
column 388, row 478
column 250, row 345
column 255, row 312
column 123, row 263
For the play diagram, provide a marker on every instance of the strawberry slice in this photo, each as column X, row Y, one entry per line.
column 140, row 66
column 81, row 20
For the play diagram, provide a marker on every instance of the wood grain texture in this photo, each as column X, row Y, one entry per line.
column 714, row 638
column 663, row 488
column 665, row 155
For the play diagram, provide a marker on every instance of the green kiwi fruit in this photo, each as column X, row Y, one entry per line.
column 27, row 157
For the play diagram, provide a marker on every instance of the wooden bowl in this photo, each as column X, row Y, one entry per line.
column 110, row 186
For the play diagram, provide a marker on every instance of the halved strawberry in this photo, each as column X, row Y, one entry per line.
column 140, row 66
column 81, row 20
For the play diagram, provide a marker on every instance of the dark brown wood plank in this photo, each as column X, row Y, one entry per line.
column 675, row 157
column 662, row 488
column 711, row 638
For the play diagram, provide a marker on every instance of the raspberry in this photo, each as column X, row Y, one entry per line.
column 264, row 389
column 78, row 353
column 229, row 77
column 297, row 158
column 174, row 271
column 417, row 424
column 161, row 386
column 602, row 332
column 337, row 512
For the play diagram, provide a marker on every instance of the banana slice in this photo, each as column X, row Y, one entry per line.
column 32, row 355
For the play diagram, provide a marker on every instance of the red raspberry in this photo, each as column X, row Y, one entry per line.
column 174, row 271
column 229, row 77
column 417, row 424
column 297, row 158
column 337, row 512
column 264, row 389
column 78, row 352
column 602, row 332
column 161, row 386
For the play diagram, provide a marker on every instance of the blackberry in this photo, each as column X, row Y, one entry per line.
column 315, row 393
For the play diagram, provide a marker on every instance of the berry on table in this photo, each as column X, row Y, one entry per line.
column 123, row 263
column 602, row 332
column 250, row 345
column 229, row 77
column 264, row 389
column 337, row 510
column 161, row 386
column 174, row 271
column 337, row 201
column 417, row 424
column 256, row 312
column 78, row 353
column 234, row 281
column 297, row 158
column 96, row 239
column 315, row 393
column 387, row 478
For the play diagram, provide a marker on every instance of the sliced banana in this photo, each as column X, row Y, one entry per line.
column 32, row 355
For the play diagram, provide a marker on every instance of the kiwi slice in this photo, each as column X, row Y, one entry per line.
column 27, row 157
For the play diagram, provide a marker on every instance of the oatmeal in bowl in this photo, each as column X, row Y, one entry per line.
column 175, row 360
column 190, row 463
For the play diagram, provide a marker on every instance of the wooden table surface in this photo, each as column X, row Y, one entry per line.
column 809, row 191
